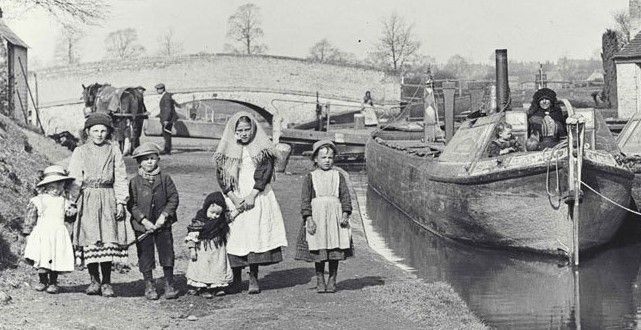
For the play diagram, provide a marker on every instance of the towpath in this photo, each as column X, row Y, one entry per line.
column 372, row 293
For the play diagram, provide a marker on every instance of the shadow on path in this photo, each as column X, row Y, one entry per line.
column 360, row 283
column 286, row 278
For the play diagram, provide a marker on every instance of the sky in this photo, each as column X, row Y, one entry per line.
column 541, row 30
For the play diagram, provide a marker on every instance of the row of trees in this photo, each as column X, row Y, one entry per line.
column 397, row 49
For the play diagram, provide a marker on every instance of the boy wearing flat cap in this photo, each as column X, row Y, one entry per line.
column 167, row 115
column 153, row 202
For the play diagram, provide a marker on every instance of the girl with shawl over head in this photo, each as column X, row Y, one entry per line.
column 245, row 166
column 209, row 270
column 100, row 233
column 325, row 234
column 48, row 245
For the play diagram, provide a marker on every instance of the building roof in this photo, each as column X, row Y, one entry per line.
column 597, row 75
column 631, row 51
column 11, row 37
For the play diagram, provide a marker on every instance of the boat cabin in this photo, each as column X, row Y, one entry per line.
column 471, row 143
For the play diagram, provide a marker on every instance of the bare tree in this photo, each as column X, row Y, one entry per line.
column 123, row 44
column 324, row 52
column 66, row 52
column 168, row 45
column 458, row 66
column 244, row 27
column 622, row 19
column 89, row 12
column 397, row 42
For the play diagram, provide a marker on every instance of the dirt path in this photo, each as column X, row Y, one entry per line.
column 288, row 299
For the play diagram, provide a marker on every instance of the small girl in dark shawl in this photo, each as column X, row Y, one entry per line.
column 209, row 270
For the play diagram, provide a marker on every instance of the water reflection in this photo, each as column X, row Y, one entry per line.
column 510, row 290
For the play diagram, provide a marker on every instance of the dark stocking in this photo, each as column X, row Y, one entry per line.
column 169, row 274
column 148, row 275
column 320, row 267
column 105, row 269
column 94, row 272
column 43, row 278
column 53, row 277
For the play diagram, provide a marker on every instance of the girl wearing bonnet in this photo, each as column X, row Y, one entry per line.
column 245, row 166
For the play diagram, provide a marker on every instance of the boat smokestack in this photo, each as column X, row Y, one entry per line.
column 502, row 87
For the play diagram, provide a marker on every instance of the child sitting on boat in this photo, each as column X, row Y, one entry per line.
column 505, row 142
column 325, row 235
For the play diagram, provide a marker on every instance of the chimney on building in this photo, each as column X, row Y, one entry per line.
column 635, row 17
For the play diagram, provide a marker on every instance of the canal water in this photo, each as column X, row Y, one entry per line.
column 509, row 289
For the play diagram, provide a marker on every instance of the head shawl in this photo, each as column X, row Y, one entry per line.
column 229, row 152
column 214, row 229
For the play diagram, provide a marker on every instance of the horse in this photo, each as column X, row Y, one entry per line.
column 125, row 105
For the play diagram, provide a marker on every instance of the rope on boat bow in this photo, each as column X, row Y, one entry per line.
column 554, row 153
column 610, row 200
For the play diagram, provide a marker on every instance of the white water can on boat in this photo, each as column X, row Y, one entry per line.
column 281, row 153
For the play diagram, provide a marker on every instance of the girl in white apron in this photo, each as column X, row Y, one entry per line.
column 245, row 166
column 325, row 235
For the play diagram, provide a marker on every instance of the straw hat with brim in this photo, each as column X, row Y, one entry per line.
column 318, row 144
column 98, row 118
column 146, row 149
column 54, row 173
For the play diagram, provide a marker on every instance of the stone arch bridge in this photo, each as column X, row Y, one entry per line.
column 274, row 85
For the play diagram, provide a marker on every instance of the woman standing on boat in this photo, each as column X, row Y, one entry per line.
column 245, row 166
column 546, row 120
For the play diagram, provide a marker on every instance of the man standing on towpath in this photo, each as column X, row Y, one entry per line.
column 167, row 115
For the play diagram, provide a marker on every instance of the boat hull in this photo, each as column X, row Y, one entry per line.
column 636, row 190
column 509, row 208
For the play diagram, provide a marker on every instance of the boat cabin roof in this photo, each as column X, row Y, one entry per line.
column 471, row 141
column 629, row 140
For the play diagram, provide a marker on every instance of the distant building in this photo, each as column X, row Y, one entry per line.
column 13, row 69
column 596, row 77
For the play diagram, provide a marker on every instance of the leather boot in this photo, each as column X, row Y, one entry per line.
column 331, row 281
column 253, row 280
column 170, row 291
column 150, row 290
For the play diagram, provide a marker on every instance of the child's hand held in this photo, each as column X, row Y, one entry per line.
column 120, row 212
column 193, row 254
column 311, row 226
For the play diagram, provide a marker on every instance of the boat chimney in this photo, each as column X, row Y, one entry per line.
column 502, row 87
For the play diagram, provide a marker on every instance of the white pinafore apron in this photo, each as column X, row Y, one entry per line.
column 327, row 213
column 260, row 229
column 49, row 244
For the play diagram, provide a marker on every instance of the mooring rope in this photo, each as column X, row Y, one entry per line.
column 554, row 154
column 610, row 200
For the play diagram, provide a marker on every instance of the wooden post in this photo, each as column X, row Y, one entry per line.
column 26, row 81
column 448, row 92
column 328, row 121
